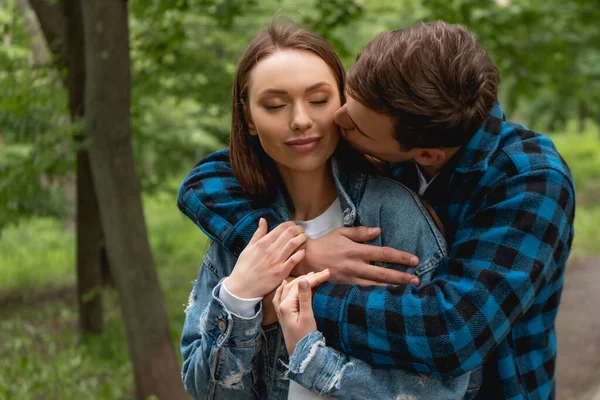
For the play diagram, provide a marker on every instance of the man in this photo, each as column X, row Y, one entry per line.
column 425, row 99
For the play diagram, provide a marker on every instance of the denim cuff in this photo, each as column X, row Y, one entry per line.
column 313, row 365
column 230, row 329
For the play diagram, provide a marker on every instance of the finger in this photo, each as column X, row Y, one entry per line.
column 292, row 261
column 290, row 233
column 362, row 282
column 278, row 230
column 277, row 297
column 386, row 254
column 386, row 275
column 360, row 233
column 292, row 245
column 305, row 299
column 287, row 288
column 289, row 298
column 315, row 280
column 260, row 232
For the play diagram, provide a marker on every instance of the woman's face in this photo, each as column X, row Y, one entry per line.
column 292, row 96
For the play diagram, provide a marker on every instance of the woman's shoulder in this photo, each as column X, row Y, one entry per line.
column 381, row 189
column 219, row 260
column 400, row 213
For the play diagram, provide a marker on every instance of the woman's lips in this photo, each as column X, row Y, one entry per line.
column 304, row 145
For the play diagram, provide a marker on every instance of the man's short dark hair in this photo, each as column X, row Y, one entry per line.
column 433, row 78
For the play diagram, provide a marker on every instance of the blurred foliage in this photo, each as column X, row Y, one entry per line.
column 183, row 60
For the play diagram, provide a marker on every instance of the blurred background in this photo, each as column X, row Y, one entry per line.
column 181, row 55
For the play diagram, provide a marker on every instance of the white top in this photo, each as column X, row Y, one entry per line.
column 423, row 184
column 320, row 226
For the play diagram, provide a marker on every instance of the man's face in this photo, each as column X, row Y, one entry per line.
column 370, row 132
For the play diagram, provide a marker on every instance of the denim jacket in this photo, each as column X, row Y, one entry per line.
column 226, row 356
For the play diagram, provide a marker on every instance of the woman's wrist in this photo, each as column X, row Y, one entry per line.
column 239, row 289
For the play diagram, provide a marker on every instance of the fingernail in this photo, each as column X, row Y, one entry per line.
column 303, row 285
column 310, row 273
column 261, row 221
column 325, row 270
column 373, row 230
column 414, row 281
column 414, row 261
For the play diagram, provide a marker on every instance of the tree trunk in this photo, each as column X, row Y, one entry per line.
column 107, row 109
column 90, row 239
column 39, row 49
column 62, row 26
column 52, row 21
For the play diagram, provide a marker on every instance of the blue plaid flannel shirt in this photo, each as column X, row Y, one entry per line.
column 507, row 202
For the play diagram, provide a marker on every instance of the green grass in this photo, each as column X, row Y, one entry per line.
column 582, row 153
column 44, row 357
column 41, row 354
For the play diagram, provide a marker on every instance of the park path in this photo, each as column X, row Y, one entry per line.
column 578, row 330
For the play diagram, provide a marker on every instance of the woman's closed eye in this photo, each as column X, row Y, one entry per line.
column 270, row 107
column 319, row 101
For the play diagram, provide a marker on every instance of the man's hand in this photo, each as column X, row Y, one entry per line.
column 349, row 260
column 293, row 304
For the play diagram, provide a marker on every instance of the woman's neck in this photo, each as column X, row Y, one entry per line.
column 310, row 193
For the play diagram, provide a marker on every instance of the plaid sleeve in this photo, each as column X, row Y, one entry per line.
column 214, row 200
column 511, row 248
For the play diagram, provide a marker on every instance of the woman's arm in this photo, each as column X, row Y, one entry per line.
column 218, row 347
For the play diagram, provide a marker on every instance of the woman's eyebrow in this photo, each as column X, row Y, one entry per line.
column 308, row 89
column 316, row 86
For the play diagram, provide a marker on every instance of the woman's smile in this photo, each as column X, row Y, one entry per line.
column 304, row 145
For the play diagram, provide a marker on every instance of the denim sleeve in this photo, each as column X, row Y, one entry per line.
column 214, row 200
column 217, row 347
column 328, row 372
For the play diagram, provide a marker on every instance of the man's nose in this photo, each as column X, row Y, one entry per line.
column 342, row 118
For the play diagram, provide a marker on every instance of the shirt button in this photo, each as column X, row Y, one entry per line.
column 222, row 326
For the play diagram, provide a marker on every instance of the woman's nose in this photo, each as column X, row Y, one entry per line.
column 301, row 121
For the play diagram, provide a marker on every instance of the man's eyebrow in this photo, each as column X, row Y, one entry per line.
column 308, row 89
column 357, row 128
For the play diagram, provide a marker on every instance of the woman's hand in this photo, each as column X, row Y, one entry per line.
column 293, row 304
column 267, row 260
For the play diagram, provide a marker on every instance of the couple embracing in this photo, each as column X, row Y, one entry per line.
column 385, row 236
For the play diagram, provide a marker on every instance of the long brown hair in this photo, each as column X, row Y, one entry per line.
column 252, row 167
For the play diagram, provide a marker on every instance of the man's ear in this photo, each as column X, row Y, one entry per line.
column 248, row 118
column 430, row 157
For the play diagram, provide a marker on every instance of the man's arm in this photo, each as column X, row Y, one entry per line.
column 214, row 200
column 502, row 256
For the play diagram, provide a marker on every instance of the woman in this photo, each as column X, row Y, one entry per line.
column 285, row 152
